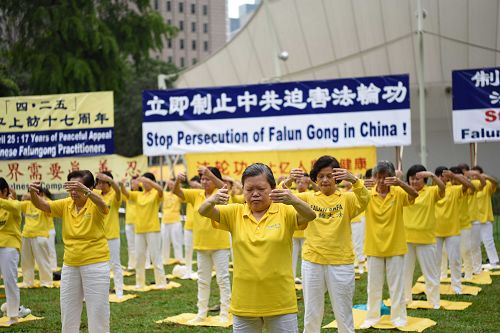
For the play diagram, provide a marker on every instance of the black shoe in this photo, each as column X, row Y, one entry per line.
column 215, row 308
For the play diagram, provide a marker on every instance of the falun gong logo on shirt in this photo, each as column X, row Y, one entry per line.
column 2, row 223
column 273, row 226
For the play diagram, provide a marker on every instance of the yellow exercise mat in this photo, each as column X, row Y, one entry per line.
column 194, row 276
column 36, row 284
column 170, row 285
column 445, row 289
column 446, row 305
column 298, row 286
column 482, row 278
column 114, row 299
column 497, row 273
column 125, row 273
column 4, row 320
column 414, row 324
column 173, row 261
column 183, row 319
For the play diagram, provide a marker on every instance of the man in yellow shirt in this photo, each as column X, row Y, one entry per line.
column 85, row 272
column 262, row 230
column 385, row 242
column 420, row 228
column 448, row 214
column 171, row 227
column 212, row 246
column 485, row 218
column 111, row 194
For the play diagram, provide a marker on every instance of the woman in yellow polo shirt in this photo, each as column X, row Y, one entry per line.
column 385, row 242
column 212, row 247
column 262, row 230
column 420, row 227
column 112, row 196
column 85, row 272
column 10, row 245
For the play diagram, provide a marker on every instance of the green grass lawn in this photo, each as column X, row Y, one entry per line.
column 140, row 314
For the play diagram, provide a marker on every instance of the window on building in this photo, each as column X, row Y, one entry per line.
column 193, row 26
column 182, row 62
column 156, row 4
column 169, row 43
column 193, row 45
column 205, row 46
column 181, row 44
column 181, row 25
column 194, row 61
column 193, row 8
column 181, row 7
column 205, row 10
column 169, row 21
column 169, row 6
column 170, row 59
column 205, row 28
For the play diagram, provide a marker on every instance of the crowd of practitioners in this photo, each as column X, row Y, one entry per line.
column 338, row 222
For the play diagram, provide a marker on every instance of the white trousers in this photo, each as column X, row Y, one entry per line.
column 149, row 241
column 477, row 258
column 273, row 324
column 426, row 255
column 116, row 266
column 188, row 250
column 89, row 282
column 453, row 249
column 52, row 249
column 393, row 269
column 466, row 251
column 36, row 249
column 489, row 242
column 207, row 260
column 296, row 250
column 338, row 280
column 358, row 240
column 171, row 234
column 9, row 258
column 130, row 233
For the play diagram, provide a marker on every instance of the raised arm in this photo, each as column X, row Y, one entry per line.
column 36, row 199
column 153, row 184
column 466, row 184
column 492, row 179
column 395, row 181
column 208, row 209
column 123, row 189
column 114, row 185
column 435, row 179
column 181, row 177
column 304, row 213
column 91, row 195
column 358, row 188
column 295, row 174
column 204, row 171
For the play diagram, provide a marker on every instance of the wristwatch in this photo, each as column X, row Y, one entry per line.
column 88, row 193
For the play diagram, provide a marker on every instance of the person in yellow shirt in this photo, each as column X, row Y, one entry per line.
column 10, row 245
column 130, row 218
column 111, row 194
column 212, row 247
column 385, row 242
column 85, row 272
column 448, row 215
column 171, row 227
column 328, row 256
column 485, row 218
column 262, row 230
column 35, row 244
column 420, row 228
column 147, row 230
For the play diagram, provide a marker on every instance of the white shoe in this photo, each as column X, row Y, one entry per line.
column 224, row 317
column 196, row 320
column 368, row 323
column 399, row 323
column 119, row 294
column 12, row 321
column 298, row 280
column 3, row 308
column 23, row 312
column 361, row 269
column 468, row 277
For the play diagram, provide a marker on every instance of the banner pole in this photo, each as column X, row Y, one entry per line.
column 473, row 153
column 399, row 157
column 420, row 79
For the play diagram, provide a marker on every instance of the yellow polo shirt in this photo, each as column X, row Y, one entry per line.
column 448, row 211
column 188, row 225
column 147, row 208
column 385, row 232
column 262, row 278
column 10, row 224
column 204, row 236
column 358, row 218
column 171, row 208
column 83, row 232
column 328, row 237
column 112, row 220
column 472, row 202
column 36, row 222
column 130, row 211
column 484, row 204
column 420, row 219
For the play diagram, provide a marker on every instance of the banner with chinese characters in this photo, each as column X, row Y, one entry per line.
column 476, row 105
column 52, row 173
column 54, row 126
column 368, row 111
column 356, row 160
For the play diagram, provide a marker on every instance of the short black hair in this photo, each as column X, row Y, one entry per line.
column 257, row 169
column 108, row 173
column 413, row 170
column 477, row 168
column 464, row 166
column 4, row 185
column 384, row 167
column 324, row 161
column 150, row 176
column 215, row 171
column 368, row 173
column 439, row 170
column 456, row 170
column 86, row 176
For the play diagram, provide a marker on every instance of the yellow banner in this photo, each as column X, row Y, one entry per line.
column 356, row 160
column 56, row 112
column 53, row 172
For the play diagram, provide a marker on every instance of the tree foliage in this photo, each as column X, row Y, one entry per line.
column 65, row 46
